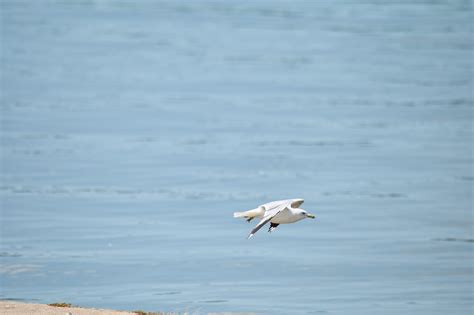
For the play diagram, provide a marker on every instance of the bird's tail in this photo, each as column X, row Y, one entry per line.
column 250, row 214
column 239, row 214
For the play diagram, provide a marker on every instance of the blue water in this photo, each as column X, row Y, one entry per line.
column 132, row 130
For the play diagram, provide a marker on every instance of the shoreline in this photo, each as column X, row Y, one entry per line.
column 23, row 308
column 9, row 307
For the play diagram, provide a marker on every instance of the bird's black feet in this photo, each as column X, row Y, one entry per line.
column 272, row 227
column 249, row 219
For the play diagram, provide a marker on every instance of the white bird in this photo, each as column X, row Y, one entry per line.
column 275, row 212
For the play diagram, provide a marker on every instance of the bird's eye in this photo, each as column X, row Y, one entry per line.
column 303, row 213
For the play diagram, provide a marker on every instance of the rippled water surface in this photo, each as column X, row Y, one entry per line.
column 131, row 130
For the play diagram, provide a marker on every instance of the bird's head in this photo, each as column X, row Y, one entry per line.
column 305, row 214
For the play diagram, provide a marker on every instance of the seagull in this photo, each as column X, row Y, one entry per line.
column 275, row 212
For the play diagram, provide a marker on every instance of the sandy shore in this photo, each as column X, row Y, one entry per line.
column 19, row 308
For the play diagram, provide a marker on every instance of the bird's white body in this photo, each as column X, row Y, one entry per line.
column 275, row 212
column 289, row 215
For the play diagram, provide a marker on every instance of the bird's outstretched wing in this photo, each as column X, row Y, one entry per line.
column 269, row 214
column 296, row 203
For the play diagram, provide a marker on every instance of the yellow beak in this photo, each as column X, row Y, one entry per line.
column 312, row 216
